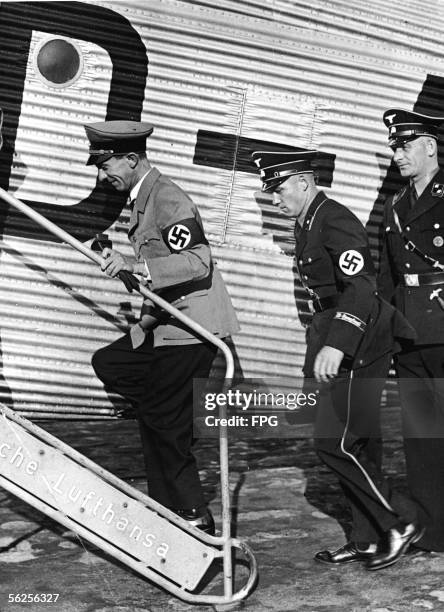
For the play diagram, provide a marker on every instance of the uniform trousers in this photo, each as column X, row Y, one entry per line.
column 421, row 387
column 159, row 383
column 348, row 441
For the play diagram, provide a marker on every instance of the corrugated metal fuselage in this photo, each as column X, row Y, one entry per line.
column 218, row 80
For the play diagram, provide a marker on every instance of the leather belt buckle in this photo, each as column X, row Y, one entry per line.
column 411, row 280
column 311, row 306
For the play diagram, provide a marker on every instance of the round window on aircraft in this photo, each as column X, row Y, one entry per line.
column 59, row 62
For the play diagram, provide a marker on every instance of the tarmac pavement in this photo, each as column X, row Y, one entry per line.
column 285, row 505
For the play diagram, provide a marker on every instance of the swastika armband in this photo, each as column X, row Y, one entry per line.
column 352, row 319
column 354, row 261
column 183, row 235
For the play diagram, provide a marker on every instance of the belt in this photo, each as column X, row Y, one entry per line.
column 429, row 278
column 320, row 304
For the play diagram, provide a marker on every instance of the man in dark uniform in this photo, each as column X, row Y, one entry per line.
column 349, row 346
column 412, row 275
column 154, row 366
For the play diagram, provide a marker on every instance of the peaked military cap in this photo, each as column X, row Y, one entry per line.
column 406, row 125
column 109, row 138
column 276, row 166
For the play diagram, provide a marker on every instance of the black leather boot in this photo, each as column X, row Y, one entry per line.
column 398, row 539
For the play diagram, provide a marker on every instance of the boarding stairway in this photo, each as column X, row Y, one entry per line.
column 71, row 489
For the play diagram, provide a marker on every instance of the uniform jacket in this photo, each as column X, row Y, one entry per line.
column 166, row 232
column 424, row 225
column 333, row 259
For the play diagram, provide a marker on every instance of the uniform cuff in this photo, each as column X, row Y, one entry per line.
column 142, row 269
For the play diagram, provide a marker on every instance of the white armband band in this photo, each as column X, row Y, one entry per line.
column 352, row 319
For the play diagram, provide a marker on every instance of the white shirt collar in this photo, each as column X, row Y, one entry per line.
column 135, row 190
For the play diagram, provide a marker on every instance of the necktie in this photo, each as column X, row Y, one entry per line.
column 297, row 231
column 413, row 196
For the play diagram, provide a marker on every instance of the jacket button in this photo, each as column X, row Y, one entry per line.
column 387, row 229
column 300, row 262
column 436, row 226
column 361, row 361
column 408, row 228
column 305, row 277
column 309, row 260
column 407, row 265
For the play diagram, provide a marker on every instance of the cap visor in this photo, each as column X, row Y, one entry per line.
column 95, row 160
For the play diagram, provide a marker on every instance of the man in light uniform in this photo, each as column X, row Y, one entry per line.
column 154, row 366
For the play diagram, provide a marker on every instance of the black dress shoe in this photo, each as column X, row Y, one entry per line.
column 399, row 539
column 346, row 554
column 202, row 520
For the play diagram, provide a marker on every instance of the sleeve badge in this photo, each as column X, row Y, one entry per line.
column 438, row 190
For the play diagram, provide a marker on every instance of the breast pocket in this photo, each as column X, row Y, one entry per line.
column 432, row 238
column 191, row 302
column 147, row 244
column 314, row 265
column 196, row 307
column 395, row 245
